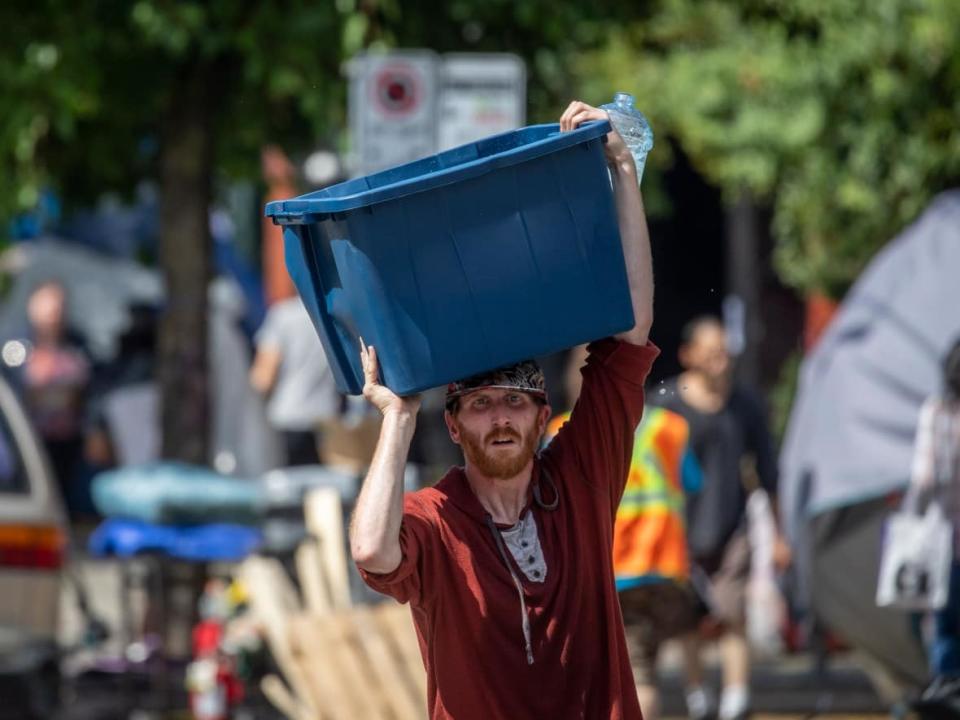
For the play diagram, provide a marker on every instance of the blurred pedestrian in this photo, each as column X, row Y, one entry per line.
column 279, row 175
column 650, row 560
column 291, row 367
column 728, row 434
column 936, row 474
column 55, row 377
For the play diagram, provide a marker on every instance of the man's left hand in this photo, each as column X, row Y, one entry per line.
column 577, row 113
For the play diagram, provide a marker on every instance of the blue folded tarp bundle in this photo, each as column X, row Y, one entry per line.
column 172, row 493
column 218, row 542
column 178, row 510
column 197, row 514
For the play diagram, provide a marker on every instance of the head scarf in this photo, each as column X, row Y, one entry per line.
column 526, row 376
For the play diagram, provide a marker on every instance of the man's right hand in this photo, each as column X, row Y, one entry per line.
column 375, row 530
column 379, row 395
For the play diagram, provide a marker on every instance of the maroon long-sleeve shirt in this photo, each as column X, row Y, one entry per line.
column 465, row 603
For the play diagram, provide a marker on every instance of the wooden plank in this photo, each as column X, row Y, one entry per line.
column 269, row 603
column 319, row 661
column 316, row 594
column 387, row 668
column 282, row 698
column 323, row 512
column 281, row 586
column 339, row 669
column 397, row 625
column 355, row 667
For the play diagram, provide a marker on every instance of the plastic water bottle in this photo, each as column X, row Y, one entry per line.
column 632, row 126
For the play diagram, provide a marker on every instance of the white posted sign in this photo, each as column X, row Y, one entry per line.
column 392, row 109
column 480, row 95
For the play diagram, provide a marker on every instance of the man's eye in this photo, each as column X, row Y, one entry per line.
column 480, row 402
column 513, row 399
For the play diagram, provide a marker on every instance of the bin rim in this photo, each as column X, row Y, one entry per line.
column 293, row 211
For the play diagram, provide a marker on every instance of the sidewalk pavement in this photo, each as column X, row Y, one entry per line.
column 787, row 685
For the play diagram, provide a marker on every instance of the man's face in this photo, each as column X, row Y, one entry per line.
column 499, row 430
column 707, row 352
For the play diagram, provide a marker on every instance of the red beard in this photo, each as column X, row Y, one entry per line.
column 499, row 464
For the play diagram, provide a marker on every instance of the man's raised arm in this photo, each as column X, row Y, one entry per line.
column 630, row 217
column 375, row 528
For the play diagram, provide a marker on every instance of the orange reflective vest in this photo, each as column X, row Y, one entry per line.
column 649, row 537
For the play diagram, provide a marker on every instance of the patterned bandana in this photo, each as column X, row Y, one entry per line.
column 526, row 376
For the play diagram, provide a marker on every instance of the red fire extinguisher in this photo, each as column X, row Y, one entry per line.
column 211, row 678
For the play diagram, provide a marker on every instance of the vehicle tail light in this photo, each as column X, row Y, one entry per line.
column 32, row 546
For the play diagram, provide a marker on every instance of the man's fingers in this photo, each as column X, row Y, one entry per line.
column 572, row 109
column 373, row 367
column 586, row 115
column 564, row 117
column 578, row 112
column 368, row 358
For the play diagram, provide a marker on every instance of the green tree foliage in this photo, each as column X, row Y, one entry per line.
column 84, row 85
column 103, row 93
column 844, row 115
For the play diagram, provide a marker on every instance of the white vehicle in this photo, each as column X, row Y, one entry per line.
column 33, row 545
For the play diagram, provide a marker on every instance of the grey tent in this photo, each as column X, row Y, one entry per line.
column 849, row 442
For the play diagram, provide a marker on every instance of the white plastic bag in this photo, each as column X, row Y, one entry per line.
column 915, row 560
column 766, row 609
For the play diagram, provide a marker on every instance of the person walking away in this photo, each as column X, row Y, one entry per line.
column 507, row 562
column 291, row 368
column 728, row 431
column 55, row 377
column 279, row 176
column 650, row 560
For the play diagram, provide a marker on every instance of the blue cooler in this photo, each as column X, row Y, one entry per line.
column 478, row 257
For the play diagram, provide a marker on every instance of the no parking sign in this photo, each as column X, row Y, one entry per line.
column 392, row 109
column 397, row 88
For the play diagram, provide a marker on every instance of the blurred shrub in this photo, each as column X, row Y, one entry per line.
column 844, row 115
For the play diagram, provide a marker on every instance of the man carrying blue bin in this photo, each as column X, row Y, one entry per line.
column 507, row 561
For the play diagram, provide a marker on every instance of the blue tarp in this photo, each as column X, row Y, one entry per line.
column 200, row 543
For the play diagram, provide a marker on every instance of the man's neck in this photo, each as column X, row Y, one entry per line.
column 708, row 395
column 504, row 499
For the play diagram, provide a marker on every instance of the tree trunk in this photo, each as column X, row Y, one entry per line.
column 186, row 169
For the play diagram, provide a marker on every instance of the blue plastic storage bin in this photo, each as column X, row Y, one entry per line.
column 480, row 256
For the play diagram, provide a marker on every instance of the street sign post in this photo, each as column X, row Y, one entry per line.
column 409, row 104
column 392, row 109
column 480, row 95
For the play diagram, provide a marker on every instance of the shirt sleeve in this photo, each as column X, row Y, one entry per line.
column 269, row 333
column 600, row 433
column 405, row 584
column 760, row 443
